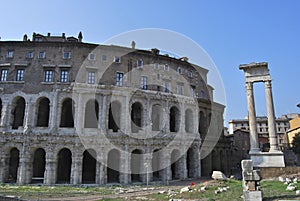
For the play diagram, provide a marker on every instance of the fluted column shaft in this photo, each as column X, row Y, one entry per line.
column 252, row 119
column 271, row 117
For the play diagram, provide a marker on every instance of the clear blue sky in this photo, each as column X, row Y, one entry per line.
column 232, row 33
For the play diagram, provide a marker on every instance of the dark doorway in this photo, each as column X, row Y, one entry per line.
column 43, row 113
column 89, row 167
column 136, row 162
column 114, row 116
column 67, row 119
column 136, row 117
column 13, row 165
column 113, row 166
column 18, row 113
column 156, row 165
column 156, row 117
column 39, row 162
column 91, row 116
column 175, row 167
column 174, row 119
column 64, row 166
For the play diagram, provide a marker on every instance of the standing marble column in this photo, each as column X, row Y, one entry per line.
column 252, row 119
column 271, row 117
column 6, row 107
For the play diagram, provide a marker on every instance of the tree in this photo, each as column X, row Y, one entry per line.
column 296, row 144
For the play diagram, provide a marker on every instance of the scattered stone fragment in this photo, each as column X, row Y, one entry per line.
column 281, row 179
column 291, row 187
column 185, row 189
column 288, row 180
column 203, row 188
column 297, row 192
column 295, row 180
column 218, row 175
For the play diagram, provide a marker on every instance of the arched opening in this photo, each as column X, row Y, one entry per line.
column 64, row 166
column 206, row 166
column 136, row 117
column 191, row 163
column 136, row 164
column 223, row 162
column 216, row 161
column 13, row 165
column 189, row 121
column 43, row 111
column 67, row 119
column 174, row 119
column 91, row 116
column 113, row 166
column 89, row 167
column 202, row 124
column 156, row 165
column 157, row 117
column 39, row 162
column 18, row 112
column 175, row 167
column 114, row 116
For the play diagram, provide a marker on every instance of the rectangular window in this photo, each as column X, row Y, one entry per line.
column 167, row 87
column 42, row 55
column 117, row 59
column 156, row 66
column 180, row 89
column 119, row 79
column 20, row 75
column 104, row 58
column 64, row 76
column 92, row 56
column 48, row 76
column 4, row 73
column 10, row 54
column 179, row 70
column 144, row 82
column 190, row 73
column 139, row 63
column 29, row 55
column 91, row 78
column 193, row 94
column 67, row 55
column 166, row 67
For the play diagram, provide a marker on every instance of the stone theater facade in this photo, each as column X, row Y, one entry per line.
column 75, row 112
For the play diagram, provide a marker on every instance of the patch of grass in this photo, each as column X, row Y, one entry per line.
column 274, row 190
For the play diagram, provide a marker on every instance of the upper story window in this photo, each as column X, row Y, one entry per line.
column 48, row 76
column 92, row 56
column 104, row 58
column 4, row 73
column 91, row 77
column 64, row 76
column 67, row 55
column 180, row 88
column 190, row 73
column 166, row 67
column 179, row 70
column 167, row 87
column 192, row 93
column 117, row 59
column 29, row 55
column 10, row 54
column 20, row 75
column 202, row 94
column 144, row 82
column 119, row 79
column 42, row 54
column 156, row 66
column 139, row 63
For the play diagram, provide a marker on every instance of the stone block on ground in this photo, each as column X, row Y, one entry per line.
column 218, row 175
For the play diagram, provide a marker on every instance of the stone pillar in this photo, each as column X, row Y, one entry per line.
column 271, row 117
column 6, row 107
column 79, row 114
column 166, row 172
column 166, row 117
column 100, row 169
column 254, row 146
column 124, row 167
column 25, row 167
column 54, row 118
column 76, row 170
column 183, row 166
column 28, row 117
column 3, row 167
column 50, row 169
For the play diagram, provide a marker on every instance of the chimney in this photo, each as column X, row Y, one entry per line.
column 184, row 59
column 49, row 35
column 63, row 35
column 133, row 44
column 80, row 37
column 25, row 37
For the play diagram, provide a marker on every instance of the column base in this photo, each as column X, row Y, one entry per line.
column 267, row 159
